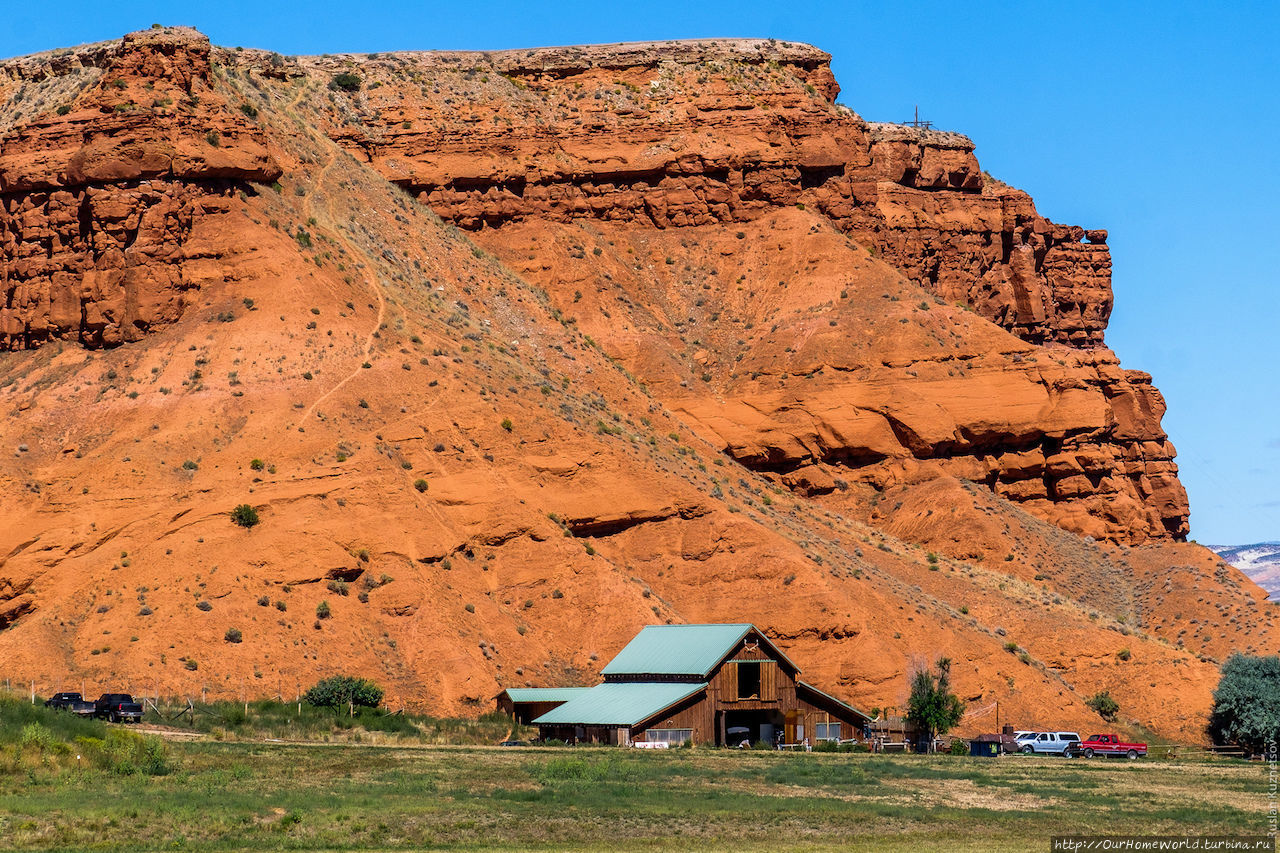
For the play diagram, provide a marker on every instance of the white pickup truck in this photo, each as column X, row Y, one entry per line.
column 1048, row 743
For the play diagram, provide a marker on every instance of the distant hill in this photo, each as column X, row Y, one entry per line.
column 1260, row 561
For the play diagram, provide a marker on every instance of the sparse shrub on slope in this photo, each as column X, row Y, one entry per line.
column 245, row 515
column 1104, row 705
column 346, row 81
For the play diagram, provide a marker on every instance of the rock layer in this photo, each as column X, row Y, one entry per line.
column 108, row 203
column 722, row 136
column 719, row 132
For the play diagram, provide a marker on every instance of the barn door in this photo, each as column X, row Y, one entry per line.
column 729, row 683
column 790, row 727
column 768, row 680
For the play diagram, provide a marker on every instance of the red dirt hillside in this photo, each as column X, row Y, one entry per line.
column 514, row 353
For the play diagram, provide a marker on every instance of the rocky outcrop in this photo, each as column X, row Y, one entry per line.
column 712, row 145
column 103, row 196
column 716, row 132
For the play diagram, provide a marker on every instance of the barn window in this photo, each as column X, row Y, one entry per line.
column 827, row 731
column 669, row 735
column 748, row 680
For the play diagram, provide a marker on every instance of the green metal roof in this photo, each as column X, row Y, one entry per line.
column 543, row 694
column 680, row 650
column 618, row 704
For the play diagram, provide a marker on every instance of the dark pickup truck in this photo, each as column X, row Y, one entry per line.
column 118, row 708
column 73, row 702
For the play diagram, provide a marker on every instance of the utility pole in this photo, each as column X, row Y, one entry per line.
column 917, row 123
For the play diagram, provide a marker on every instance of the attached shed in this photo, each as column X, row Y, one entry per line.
column 525, row 704
column 720, row 684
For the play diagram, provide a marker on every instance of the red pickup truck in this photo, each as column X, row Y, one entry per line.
column 1109, row 744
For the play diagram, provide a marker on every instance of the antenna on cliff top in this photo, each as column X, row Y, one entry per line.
column 916, row 122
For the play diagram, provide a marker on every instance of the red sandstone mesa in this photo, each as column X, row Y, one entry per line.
column 692, row 342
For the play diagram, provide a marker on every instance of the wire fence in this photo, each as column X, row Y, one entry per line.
column 156, row 693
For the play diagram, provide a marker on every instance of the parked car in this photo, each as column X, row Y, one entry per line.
column 1050, row 743
column 118, row 707
column 73, row 702
column 1108, row 745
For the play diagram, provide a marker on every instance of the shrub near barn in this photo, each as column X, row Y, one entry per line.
column 344, row 691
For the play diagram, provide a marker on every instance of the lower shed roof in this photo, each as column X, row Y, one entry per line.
column 543, row 694
column 618, row 704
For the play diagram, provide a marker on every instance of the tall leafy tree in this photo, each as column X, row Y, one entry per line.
column 932, row 708
column 1246, row 705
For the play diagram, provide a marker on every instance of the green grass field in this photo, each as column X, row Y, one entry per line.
column 235, row 795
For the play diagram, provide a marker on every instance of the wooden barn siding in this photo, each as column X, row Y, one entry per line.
column 813, row 715
column 776, row 685
column 700, row 717
column 527, row 712
column 697, row 714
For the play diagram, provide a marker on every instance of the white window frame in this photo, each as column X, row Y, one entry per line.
column 671, row 736
column 823, row 731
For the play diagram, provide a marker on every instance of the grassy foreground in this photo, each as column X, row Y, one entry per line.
column 237, row 795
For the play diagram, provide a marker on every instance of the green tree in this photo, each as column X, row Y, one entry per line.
column 932, row 708
column 340, row 691
column 1246, row 705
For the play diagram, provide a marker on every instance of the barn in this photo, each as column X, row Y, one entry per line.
column 713, row 684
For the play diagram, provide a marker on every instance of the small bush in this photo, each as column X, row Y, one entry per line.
column 256, row 464
column 959, row 747
column 420, row 484
column 204, row 605
column 190, row 465
column 192, row 665
column 1104, row 705
column 1123, row 654
column 338, row 586
column 233, row 635
column 245, row 515
column 346, row 81
column 213, row 138
column 264, row 601
column 506, row 424
column 322, row 610
column 281, row 606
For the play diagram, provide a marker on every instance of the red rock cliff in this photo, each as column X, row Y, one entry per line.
column 109, row 203
column 706, row 138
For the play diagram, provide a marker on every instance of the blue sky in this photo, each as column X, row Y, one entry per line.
column 1157, row 121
